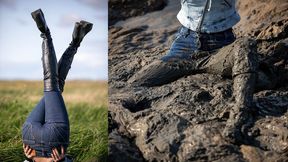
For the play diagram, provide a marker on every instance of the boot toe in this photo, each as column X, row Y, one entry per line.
column 83, row 22
column 37, row 13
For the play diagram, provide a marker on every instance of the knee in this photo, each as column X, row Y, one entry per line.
column 247, row 47
column 245, row 56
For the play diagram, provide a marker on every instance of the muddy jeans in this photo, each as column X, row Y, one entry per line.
column 207, row 54
column 191, row 52
column 189, row 42
column 47, row 126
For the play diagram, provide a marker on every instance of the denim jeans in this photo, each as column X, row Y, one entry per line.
column 189, row 42
column 47, row 126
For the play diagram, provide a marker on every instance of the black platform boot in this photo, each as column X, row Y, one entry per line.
column 49, row 59
column 38, row 17
column 64, row 64
column 80, row 30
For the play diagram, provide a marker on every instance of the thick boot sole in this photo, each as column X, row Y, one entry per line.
column 80, row 30
column 39, row 18
column 86, row 26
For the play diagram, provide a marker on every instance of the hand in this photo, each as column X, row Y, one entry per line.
column 55, row 154
column 28, row 151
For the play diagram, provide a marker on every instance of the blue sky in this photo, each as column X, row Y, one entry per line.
column 20, row 42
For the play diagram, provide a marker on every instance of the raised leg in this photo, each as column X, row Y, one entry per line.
column 80, row 30
column 64, row 65
column 54, row 106
column 49, row 60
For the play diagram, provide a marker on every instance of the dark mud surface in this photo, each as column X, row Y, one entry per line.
column 183, row 120
column 123, row 9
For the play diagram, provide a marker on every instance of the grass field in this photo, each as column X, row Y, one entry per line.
column 86, row 102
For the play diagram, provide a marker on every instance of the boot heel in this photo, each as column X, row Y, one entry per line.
column 87, row 26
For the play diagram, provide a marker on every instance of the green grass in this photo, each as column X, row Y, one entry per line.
column 86, row 102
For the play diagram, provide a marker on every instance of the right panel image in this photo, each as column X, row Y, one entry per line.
column 195, row 80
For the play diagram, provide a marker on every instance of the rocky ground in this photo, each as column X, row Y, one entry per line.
column 183, row 120
column 123, row 9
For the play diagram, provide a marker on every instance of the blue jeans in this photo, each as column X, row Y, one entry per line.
column 189, row 42
column 47, row 126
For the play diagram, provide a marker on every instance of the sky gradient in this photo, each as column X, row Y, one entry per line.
column 20, row 41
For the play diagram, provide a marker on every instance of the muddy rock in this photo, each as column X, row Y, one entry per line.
column 122, row 149
column 123, row 9
column 259, row 14
column 276, row 30
column 183, row 120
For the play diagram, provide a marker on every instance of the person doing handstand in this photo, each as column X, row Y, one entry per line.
column 46, row 130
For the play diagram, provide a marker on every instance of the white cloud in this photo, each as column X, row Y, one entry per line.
column 91, row 60
column 68, row 20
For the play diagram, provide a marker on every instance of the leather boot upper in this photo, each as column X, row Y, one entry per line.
column 49, row 62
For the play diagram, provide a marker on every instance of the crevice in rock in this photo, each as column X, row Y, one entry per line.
column 136, row 106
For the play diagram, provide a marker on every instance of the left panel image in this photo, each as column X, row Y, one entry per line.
column 53, row 80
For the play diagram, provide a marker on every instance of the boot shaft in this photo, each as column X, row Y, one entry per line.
column 49, row 62
column 80, row 30
column 64, row 65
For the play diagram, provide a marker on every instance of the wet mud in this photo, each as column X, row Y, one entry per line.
column 123, row 9
column 184, row 120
